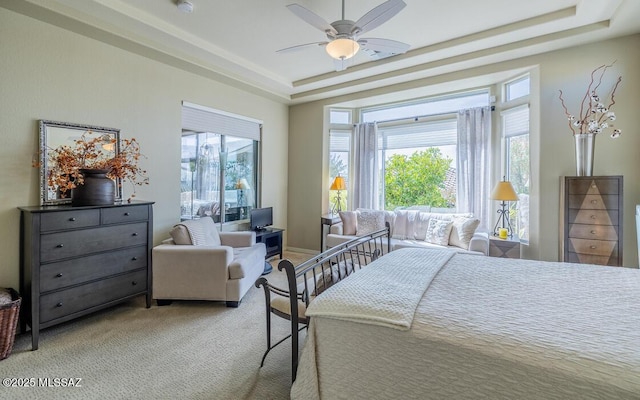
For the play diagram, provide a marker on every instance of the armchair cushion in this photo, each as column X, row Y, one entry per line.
column 197, row 232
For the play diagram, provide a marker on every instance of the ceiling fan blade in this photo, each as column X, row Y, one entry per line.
column 387, row 46
column 377, row 16
column 312, row 18
column 300, row 47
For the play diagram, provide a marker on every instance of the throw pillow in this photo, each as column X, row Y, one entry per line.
column 369, row 221
column 349, row 222
column 462, row 231
column 197, row 232
column 438, row 231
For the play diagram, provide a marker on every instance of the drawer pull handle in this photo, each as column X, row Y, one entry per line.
column 58, row 275
column 59, row 305
column 594, row 201
column 593, row 232
column 135, row 234
column 134, row 283
column 593, row 217
column 593, row 247
column 134, row 259
column 72, row 219
column 126, row 214
column 60, row 245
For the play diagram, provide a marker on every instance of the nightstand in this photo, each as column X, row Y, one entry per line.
column 505, row 248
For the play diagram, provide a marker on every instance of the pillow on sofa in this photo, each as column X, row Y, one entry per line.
column 462, row 231
column 438, row 231
column 197, row 232
column 369, row 221
column 404, row 224
column 349, row 222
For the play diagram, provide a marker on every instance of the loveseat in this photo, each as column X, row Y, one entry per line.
column 200, row 263
column 414, row 228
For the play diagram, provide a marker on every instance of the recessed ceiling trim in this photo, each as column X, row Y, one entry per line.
column 456, row 59
column 499, row 30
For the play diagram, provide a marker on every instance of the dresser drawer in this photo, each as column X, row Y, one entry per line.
column 81, row 242
column 594, row 247
column 69, row 220
column 591, row 259
column 600, row 185
column 594, row 232
column 122, row 214
column 65, row 302
column 594, row 201
column 61, row 274
column 593, row 217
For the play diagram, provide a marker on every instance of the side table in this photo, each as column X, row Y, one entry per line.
column 272, row 239
column 327, row 220
column 505, row 248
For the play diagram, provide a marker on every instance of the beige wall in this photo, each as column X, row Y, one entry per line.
column 552, row 143
column 51, row 73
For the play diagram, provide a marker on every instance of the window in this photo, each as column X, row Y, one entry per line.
column 418, row 163
column 417, row 145
column 517, row 88
column 219, row 165
column 339, row 156
column 339, row 116
column 515, row 124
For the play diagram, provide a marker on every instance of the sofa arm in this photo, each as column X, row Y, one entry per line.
column 190, row 272
column 336, row 229
column 480, row 242
column 238, row 239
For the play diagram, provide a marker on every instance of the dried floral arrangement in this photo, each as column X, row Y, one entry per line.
column 66, row 162
column 594, row 116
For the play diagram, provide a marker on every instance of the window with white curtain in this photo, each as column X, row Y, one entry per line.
column 219, row 164
column 417, row 144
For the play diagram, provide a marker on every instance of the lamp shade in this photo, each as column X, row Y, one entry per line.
column 342, row 49
column 243, row 184
column 504, row 191
column 338, row 184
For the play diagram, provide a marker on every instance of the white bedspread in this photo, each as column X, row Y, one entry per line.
column 386, row 292
column 489, row 328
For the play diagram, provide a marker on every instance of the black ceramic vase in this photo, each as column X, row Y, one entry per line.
column 97, row 190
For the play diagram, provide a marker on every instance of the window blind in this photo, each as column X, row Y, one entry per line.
column 516, row 121
column 203, row 119
column 423, row 134
column 339, row 141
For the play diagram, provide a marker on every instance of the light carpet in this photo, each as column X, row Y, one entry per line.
column 188, row 350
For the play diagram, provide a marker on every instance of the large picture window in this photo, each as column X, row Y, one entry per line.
column 219, row 171
column 417, row 151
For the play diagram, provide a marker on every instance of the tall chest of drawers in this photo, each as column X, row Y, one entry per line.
column 77, row 260
column 592, row 220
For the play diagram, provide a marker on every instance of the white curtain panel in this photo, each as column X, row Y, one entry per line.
column 474, row 139
column 365, row 182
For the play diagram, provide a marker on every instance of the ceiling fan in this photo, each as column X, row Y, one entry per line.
column 344, row 35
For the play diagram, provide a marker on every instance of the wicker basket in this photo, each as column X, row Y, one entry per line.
column 9, row 313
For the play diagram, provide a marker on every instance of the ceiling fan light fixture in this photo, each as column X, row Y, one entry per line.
column 342, row 48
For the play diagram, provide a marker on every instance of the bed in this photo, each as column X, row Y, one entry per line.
column 429, row 324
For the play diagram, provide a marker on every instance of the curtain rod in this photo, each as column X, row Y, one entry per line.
column 493, row 108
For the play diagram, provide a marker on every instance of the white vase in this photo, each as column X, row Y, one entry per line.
column 585, row 146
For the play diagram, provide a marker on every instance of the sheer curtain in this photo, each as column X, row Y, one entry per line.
column 365, row 180
column 474, row 136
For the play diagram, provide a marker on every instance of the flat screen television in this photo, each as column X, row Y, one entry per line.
column 259, row 218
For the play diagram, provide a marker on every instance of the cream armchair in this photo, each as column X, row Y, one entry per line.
column 200, row 263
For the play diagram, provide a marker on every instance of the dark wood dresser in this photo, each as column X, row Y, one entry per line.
column 591, row 226
column 77, row 260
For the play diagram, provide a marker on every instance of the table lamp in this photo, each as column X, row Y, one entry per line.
column 338, row 185
column 504, row 192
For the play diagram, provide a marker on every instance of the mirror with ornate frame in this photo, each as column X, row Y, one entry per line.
column 54, row 134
